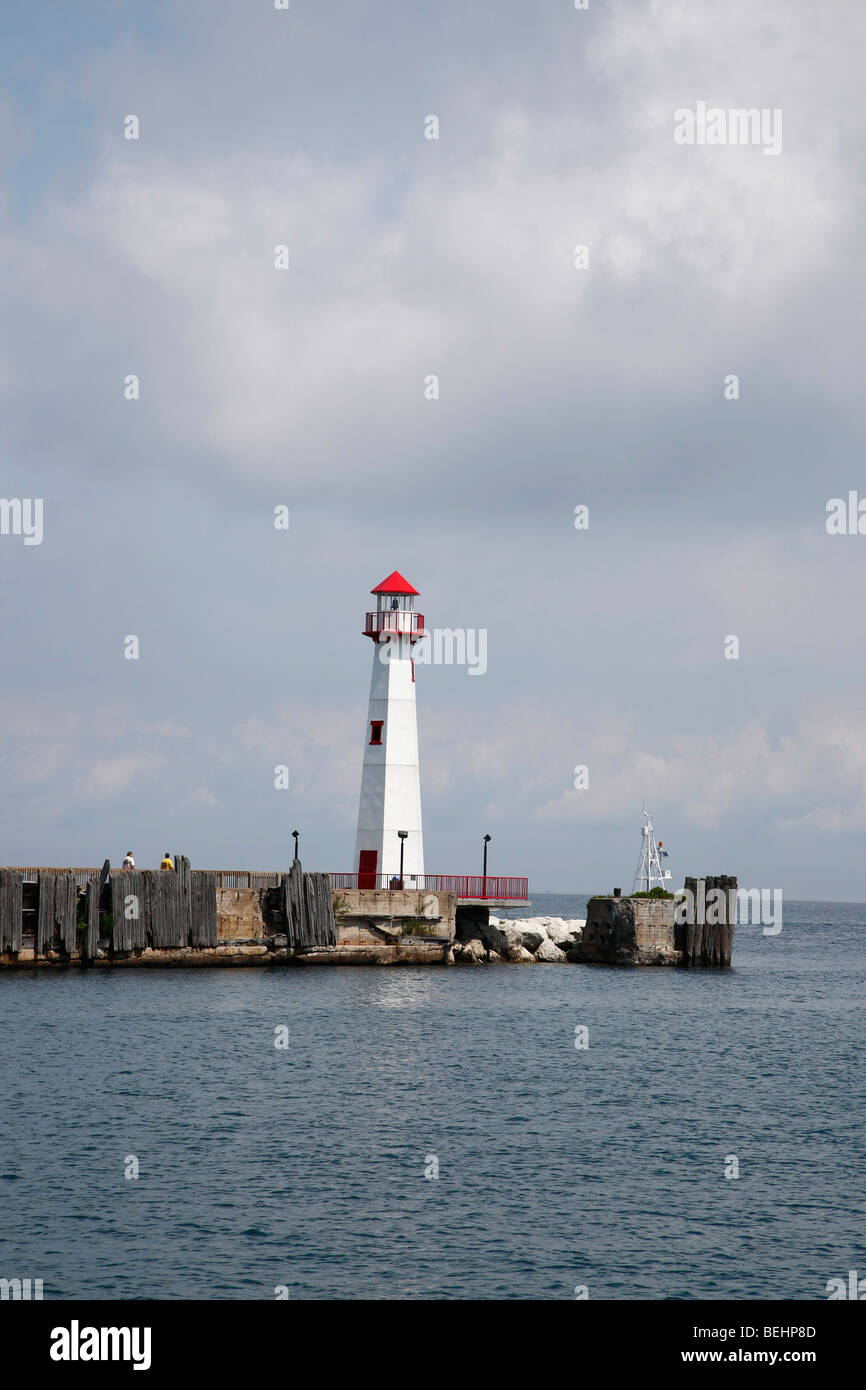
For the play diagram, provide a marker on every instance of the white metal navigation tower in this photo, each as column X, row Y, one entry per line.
column 649, row 873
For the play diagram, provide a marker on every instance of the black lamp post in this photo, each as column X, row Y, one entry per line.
column 295, row 835
column 404, row 835
column 486, row 843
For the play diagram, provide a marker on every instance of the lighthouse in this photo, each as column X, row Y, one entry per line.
column 389, row 810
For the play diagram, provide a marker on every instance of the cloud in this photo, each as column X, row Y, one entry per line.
column 709, row 779
column 108, row 777
column 466, row 268
column 202, row 796
column 558, row 386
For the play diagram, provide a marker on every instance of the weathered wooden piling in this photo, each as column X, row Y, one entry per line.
column 10, row 910
column 128, row 904
column 706, row 938
column 91, row 918
column 325, row 924
column 203, row 927
column 309, row 908
column 684, row 934
column 56, row 913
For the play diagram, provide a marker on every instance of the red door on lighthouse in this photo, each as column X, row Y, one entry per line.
column 368, row 861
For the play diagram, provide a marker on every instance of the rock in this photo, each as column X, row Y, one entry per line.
column 519, row 954
column 528, row 934
column 532, row 937
column 548, row 951
column 560, row 931
column 493, row 956
column 474, row 951
column 493, row 937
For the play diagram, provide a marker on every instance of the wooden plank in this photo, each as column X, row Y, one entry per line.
column 203, row 903
column 296, row 895
column 689, row 958
column 729, row 931
column 327, row 925
column 719, row 942
column 91, row 931
column 698, row 943
column 117, row 886
column 44, row 913
column 10, row 910
column 176, row 922
column 196, row 906
column 159, row 934
column 128, row 903
column 66, row 912
column 170, row 927
column 707, row 928
column 186, row 904
column 318, row 925
column 136, row 922
column 287, row 908
column 309, row 913
column 303, row 907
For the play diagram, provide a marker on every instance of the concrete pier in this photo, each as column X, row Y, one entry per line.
column 131, row 919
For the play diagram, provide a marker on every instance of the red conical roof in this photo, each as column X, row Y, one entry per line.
column 394, row 584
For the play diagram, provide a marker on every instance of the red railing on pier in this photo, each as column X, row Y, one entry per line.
column 464, row 885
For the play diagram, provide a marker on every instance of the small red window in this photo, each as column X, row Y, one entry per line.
column 376, row 730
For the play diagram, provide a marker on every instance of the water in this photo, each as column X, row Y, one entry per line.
column 557, row 1167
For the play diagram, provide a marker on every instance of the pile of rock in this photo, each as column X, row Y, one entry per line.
column 548, row 939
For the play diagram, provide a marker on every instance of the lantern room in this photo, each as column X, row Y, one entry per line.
column 395, row 610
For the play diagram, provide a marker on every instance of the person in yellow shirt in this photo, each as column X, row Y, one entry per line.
column 166, row 863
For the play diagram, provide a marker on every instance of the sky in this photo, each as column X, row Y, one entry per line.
column 558, row 387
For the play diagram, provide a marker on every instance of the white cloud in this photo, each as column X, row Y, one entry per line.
column 108, row 777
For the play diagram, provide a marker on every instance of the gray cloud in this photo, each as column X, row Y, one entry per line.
column 558, row 386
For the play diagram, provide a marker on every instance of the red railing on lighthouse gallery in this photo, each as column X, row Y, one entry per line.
column 464, row 885
column 396, row 620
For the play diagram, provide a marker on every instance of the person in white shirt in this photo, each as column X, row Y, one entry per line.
column 129, row 862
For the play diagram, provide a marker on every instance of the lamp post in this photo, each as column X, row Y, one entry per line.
column 484, row 887
column 295, row 835
column 404, row 835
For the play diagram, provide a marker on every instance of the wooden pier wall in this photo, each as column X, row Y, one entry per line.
column 51, row 916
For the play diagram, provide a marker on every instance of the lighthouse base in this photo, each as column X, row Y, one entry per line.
column 393, row 913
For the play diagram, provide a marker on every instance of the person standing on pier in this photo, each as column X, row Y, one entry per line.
column 167, row 863
column 129, row 862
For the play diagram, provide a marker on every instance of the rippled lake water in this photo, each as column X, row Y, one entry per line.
column 557, row 1167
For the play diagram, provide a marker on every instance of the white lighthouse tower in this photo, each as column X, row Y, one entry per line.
column 389, row 811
